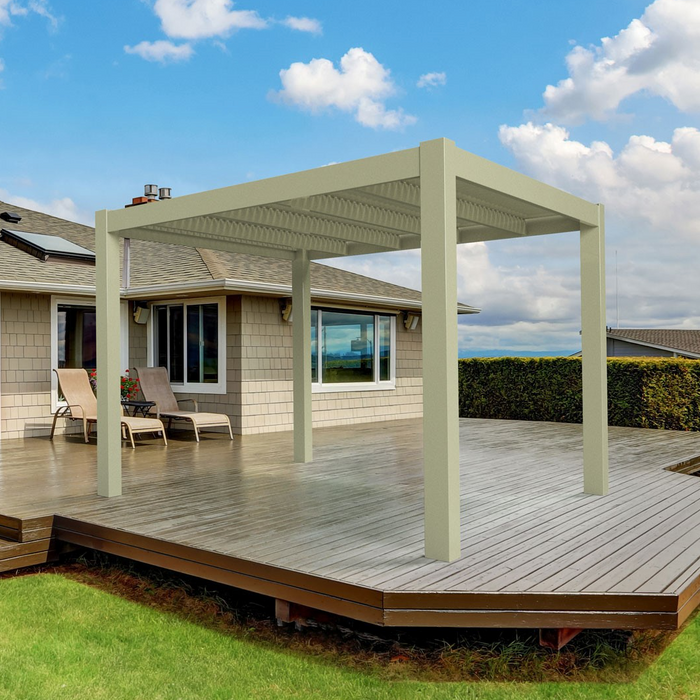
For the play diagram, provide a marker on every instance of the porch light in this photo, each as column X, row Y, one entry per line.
column 286, row 310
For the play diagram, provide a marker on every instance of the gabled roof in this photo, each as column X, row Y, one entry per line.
column 173, row 266
column 681, row 341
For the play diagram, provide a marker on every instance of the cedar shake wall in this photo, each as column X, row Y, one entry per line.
column 229, row 403
column 259, row 371
column 266, row 377
column 25, row 365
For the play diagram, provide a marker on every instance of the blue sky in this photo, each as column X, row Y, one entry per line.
column 189, row 94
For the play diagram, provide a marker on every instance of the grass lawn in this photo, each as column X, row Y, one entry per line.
column 61, row 638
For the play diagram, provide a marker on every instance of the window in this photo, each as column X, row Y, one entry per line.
column 74, row 337
column 189, row 340
column 352, row 350
column 76, row 340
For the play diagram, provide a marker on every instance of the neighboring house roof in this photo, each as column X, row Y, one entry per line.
column 161, row 269
column 682, row 342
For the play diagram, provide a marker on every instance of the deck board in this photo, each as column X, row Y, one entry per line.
column 353, row 518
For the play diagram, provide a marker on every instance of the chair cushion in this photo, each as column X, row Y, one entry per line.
column 198, row 419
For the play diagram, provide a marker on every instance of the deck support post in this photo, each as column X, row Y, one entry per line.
column 440, row 401
column 594, row 358
column 556, row 639
column 301, row 336
column 109, row 464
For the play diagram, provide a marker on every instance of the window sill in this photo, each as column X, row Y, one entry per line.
column 354, row 386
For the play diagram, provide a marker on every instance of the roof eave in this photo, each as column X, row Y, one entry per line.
column 679, row 351
column 278, row 290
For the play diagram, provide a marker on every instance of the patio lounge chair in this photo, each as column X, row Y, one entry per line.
column 155, row 386
column 81, row 404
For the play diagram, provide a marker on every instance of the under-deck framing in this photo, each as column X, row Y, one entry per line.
column 344, row 533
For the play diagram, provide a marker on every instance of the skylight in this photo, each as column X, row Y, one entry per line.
column 46, row 247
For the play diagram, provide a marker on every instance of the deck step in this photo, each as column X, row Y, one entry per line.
column 18, row 555
column 25, row 529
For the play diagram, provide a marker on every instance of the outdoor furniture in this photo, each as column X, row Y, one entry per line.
column 155, row 386
column 131, row 425
column 142, row 407
column 81, row 404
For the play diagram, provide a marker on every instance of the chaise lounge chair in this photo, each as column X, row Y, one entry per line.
column 82, row 405
column 155, row 386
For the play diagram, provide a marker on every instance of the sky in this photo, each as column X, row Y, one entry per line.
column 599, row 98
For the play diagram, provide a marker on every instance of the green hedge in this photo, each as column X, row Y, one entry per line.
column 642, row 392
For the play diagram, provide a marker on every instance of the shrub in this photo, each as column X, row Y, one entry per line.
column 642, row 392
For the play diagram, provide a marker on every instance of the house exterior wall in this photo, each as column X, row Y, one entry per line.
column 620, row 348
column 259, row 394
column 25, row 365
column 266, row 377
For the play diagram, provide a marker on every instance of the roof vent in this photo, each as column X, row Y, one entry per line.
column 150, row 191
column 164, row 193
column 10, row 217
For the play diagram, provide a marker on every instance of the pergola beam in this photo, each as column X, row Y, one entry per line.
column 332, row 178
column 482, row 172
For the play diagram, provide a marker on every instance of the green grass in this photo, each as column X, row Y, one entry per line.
column 61, row 638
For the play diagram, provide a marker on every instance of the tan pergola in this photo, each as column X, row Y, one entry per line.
column 432, row 197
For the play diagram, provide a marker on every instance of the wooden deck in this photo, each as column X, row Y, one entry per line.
column 344, row 533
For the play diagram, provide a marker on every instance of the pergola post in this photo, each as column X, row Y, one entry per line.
column 109, row 464
column 594, row 358
column 440, row 401
column 301, row 337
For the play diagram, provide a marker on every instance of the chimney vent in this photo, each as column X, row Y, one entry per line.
column 164, row 193
column 150, row 191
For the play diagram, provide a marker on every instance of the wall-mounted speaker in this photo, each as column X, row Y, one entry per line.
column 141, row 314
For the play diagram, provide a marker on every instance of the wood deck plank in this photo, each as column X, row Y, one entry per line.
column 353, row 516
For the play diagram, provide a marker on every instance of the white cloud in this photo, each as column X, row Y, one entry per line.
column 201, row 19
column 161, row 51
column 658, row 54
column 652, row 182
column 303, row 24
column 64, row 208
column 428, row 80
column 17, row 8
column 360, row 86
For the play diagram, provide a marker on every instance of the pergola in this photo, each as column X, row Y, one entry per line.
column 432, row 197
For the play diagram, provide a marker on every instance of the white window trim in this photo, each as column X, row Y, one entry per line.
column 319, row 387
column 192, row 387
column 81, row 301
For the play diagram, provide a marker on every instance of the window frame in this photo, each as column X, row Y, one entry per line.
column 57, row 301
column 191, row 387
column 318, row 387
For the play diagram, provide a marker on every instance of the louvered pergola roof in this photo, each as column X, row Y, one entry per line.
column 365, row 206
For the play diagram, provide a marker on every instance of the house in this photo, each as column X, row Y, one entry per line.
column 653, row 342
column 220, row 322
